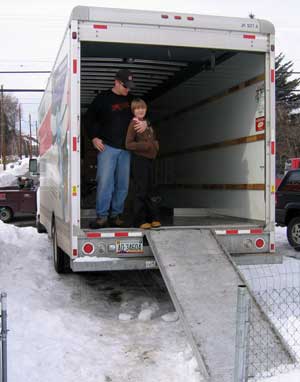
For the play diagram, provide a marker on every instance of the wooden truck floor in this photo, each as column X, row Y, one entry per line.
column 168, row 220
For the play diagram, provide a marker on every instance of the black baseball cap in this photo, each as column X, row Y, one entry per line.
column 125, row 76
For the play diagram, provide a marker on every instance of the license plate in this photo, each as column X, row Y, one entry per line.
column 129, row 246
column 151, row 264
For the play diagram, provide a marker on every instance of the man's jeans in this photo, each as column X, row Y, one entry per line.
column 113, row 167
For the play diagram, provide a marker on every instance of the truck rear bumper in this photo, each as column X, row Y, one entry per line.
column 93, row 264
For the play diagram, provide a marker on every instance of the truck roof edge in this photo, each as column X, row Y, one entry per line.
column 84, row 13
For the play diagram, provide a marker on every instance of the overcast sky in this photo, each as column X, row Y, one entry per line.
column 31, row 32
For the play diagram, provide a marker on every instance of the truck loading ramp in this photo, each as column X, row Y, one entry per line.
column 203, row 285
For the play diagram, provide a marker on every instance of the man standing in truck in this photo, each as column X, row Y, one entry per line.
column 107, row 119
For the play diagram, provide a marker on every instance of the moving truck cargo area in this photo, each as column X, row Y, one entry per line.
column 204, row 105
column 209, row 85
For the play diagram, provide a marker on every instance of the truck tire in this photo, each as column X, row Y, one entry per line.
column 293, row 233
column 61, row 260
column 6, row 214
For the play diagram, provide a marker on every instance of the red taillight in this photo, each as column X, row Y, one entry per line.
column 177, row 17
column 164, row 16
column 88, row 248
column 75, row 253
column 259, row 243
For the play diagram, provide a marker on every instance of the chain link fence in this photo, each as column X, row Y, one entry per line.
column 272, row 320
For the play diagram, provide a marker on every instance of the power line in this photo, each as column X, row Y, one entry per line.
column 22, row 90
column 26, row 72
column 33, row 59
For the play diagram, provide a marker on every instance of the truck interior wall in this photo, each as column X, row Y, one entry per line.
column 187, row 172
column 204, row 123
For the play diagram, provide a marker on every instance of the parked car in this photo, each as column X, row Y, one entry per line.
column 20, row 199
column 288, row 206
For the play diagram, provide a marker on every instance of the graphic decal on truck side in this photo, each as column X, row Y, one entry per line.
column 59, row 109
column 45, row 134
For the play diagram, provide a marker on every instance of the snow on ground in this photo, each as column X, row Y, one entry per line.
column 12, row 171
column 62, row 328
column 100, row 327
column 292, row 376
column 282, row 245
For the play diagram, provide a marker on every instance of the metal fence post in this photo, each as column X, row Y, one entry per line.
column 242, row 330
column 0, row 342
column 4, row 335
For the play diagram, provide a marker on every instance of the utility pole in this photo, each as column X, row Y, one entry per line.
column 20, row 134
column 37, row 141
column 3, row 148
column 30, row 142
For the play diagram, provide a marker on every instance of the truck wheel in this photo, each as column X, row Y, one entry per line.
column 293, row 233
column 60, row 259
column 6, row 214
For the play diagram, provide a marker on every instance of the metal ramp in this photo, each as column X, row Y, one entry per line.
column 203, row 285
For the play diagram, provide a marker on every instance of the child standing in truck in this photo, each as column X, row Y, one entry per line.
column 145, row 148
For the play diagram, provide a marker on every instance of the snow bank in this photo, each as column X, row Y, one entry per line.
column 68, row 327
column 6, row 179
column 19, row 168
column 11, row 234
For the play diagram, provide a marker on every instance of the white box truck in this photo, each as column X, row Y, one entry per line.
column 210, row 86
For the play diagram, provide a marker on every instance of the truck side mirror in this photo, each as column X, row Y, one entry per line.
column 33, row 166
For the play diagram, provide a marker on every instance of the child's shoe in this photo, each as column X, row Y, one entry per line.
column 145, row 226
column 155, row 224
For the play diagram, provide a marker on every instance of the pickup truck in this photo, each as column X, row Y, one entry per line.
column 288, row 206
column 20, row 199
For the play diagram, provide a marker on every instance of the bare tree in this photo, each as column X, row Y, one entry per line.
column 11, row 117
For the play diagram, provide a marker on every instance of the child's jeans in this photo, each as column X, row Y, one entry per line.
column 142, row 173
